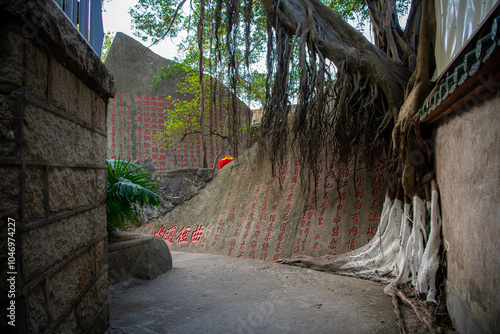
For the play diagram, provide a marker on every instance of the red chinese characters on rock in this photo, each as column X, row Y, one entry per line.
column 149, row 120
column 169, row 238
column 169, row 234
column 351, row 244
column 185, row 234
column 196, row 236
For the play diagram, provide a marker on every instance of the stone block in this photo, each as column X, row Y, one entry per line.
column 63, row 289
column 53, row 138
column 36, row 309
column 59, row 240
column 7, row 134
column 102, row 289
column 87, row 309
column 4, row 284
column 33, row 194
column 101, row 322
column 143, row 257
column 99, row 149
column 120, row 264
column 99, row 254
column 69, row 325
column 134, row 253
column 66, row 285
column 11, row 60
column 70, row 94
column 99, row 220
column 9, row 188
column 94, row 300
column 100, row 114
column 70, row 188
column 36, row 71
column 102, row 185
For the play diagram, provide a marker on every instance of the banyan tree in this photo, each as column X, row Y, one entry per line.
column 354, row 97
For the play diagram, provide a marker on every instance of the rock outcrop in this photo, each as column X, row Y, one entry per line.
column 139, row 110
column 176, row 187
column 246, row 212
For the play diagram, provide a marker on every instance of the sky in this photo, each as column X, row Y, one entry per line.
column 117, row 19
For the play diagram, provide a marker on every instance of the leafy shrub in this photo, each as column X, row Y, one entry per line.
column 129, row 190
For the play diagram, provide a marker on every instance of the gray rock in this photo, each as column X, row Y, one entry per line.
column 154, row 260
column 177, row 187
column 142, row 257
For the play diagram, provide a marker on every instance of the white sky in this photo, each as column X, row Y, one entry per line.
column 117, row 19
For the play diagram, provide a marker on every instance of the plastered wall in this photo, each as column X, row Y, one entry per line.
column 467, row 148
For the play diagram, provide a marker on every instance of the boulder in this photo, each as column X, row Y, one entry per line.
column 140, row 256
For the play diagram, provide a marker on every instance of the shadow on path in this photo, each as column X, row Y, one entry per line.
column 207, row 293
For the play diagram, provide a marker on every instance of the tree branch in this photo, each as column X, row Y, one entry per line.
column 339, row 42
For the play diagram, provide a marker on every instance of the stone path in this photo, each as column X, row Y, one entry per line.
column 207, row 293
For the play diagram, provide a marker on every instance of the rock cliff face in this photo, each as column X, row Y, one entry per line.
column 139, row 110
column 246, row 212
column 177, row 187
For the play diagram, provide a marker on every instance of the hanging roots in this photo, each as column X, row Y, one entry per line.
column 405, row 249
column 347, row 116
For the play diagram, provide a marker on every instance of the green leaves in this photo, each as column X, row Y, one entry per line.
column 152, row 18
column 129, row 190
column 156, row 20
column 106, row 44
column 126, row 190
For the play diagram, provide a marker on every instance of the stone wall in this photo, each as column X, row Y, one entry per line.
column 246, row 212
column 53, row 96
column 137, row 113
column 468, row 173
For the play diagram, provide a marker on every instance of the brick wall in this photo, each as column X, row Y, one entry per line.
column 53, row 96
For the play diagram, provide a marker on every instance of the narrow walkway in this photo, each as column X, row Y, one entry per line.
column 206, row 293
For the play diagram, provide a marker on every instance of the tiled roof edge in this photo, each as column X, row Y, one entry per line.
column 473, row 61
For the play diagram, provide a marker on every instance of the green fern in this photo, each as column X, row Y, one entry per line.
column 129, row 191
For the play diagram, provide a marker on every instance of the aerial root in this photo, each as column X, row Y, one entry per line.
column 402, row 247
column 397, row 311
column 422, row 310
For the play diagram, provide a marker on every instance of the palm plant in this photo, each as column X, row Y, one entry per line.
column 129, row 190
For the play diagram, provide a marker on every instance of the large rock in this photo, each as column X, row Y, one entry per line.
column 142, row 257
column 246, row 212
column 139, row 111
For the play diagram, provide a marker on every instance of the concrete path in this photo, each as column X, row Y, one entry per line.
column 207, row 293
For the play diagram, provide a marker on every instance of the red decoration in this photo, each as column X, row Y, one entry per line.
column 224, row 161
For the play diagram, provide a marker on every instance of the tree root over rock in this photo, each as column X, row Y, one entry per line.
column 404, row 251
